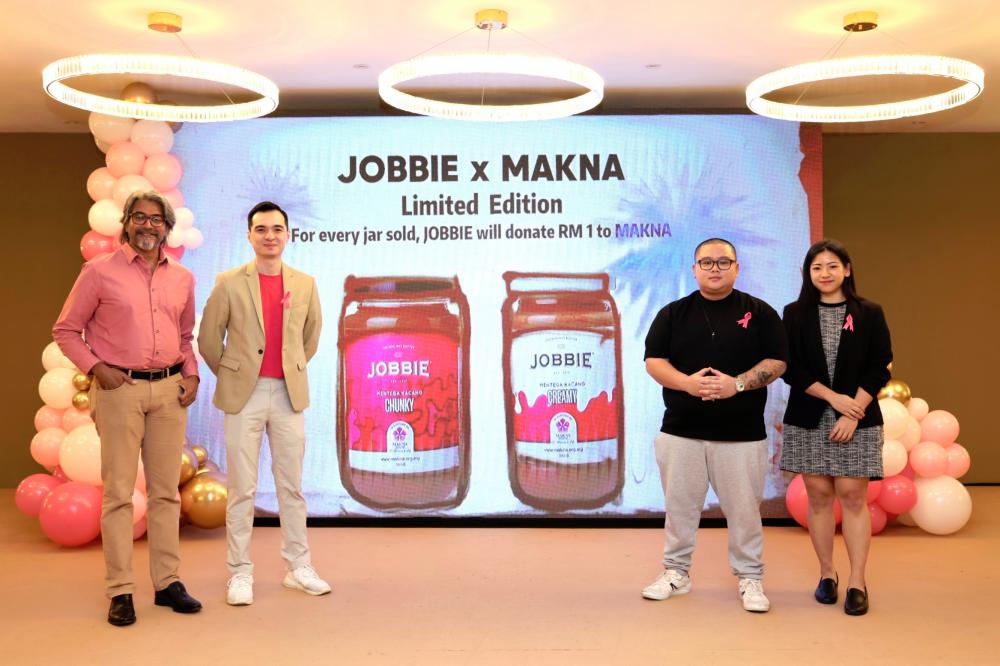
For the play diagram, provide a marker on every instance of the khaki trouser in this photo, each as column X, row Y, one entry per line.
column 147, row 418
column 268, row 409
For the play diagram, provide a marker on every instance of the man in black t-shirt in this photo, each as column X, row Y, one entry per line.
column 714, row 352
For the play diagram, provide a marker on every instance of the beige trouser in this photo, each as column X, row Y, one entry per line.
column 268, row 409
column 143, row 417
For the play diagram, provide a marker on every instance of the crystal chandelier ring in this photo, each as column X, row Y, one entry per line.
column 491, row 63
column 56, row 73
column 970, row 76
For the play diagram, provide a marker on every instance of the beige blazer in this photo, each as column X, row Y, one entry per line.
column 231, row 336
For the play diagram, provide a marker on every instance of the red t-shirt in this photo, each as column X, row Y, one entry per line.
column 272, row 291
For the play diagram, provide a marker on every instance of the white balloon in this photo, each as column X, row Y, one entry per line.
column 176, row 237
column 152, row 136
column 918, row 408
column 52, row 358
column 893, row 458
column 184, row 217
column 943, row 505
column 193, row 238
column 104, row 217
column 911, row 434
column 56, row 388
column 109, row 129
column 80, row 455
column 894, row 416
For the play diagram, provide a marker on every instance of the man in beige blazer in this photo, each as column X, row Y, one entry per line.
column 259, row 328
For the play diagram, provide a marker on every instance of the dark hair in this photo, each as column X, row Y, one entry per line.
column 809, row 293
column 265, row 207
column 709, row 241
column 169, row 218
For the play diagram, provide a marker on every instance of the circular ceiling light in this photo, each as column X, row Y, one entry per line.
column 56, row 73
column 969, row 75
column 491, row 63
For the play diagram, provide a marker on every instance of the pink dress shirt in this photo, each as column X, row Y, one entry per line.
column 129, row 317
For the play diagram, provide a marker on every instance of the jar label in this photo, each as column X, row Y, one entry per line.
column 565, row 398
column 402, row 403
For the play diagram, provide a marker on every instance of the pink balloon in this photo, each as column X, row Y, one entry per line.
column 959, row 461
column 32, row 491
column 929, row 459
column 175, row 198
column 140, row 478
column 163, row 171
column 175, row 252
column 48, row 417
column 138, row 506
column 153, row 136
column 100, row 184
column 908, row 472
column 797, row 501
column 93, row 245
column 126, row 185
column 939, row 426
column 124, row 158
column 45, row 446
column 898, row 494
column 139, row 529
column 879, row 518
column 71, row 514
column 874, row 488
column 74, row 418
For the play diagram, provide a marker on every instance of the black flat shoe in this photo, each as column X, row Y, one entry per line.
column 122, row 612
column 856, row 601
column 177, row 598
column 826, row 591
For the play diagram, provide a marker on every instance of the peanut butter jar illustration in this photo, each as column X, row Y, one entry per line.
column 563, row 390
column 403, row 392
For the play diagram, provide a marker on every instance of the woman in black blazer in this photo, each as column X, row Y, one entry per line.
column 839, row 350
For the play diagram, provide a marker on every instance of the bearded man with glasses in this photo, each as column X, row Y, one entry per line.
column 128, row 321
column 714, row 352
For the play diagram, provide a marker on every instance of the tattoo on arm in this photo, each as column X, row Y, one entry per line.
column 763, row 373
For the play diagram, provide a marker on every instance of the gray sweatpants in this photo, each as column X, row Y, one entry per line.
column 736, row 471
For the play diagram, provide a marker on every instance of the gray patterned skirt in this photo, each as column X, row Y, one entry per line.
column 810, row 451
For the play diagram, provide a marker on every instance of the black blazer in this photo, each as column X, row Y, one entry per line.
column 862, row 358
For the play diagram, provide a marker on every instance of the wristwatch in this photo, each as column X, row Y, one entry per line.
column 739, row 385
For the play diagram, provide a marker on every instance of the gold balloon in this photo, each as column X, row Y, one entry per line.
column 81, row 382
column 203, row 501
column 189, row 466
column 81, row 400
column 139, row 92
column 209, row 468
column 201, row 452
column 896, row 389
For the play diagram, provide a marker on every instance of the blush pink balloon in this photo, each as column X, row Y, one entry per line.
column 797, row 501
column 71, row 514
column 74, row 418
column 898, row 494
column 126, row 185
column 175, row 198
column 48, row 417
column 124, row 158
column 153, row 136
column 918, row 408
column 874, row 488
column 175, row 252
column 45, row 446
column 163, row 171
column 939, row 426
column 100, row 184
column 959, row 461
column 138, row 505
column 32, row 491
column 929, row 460
column 140, row 478
column 139, row 529
column 879, row 518
column 93, row 245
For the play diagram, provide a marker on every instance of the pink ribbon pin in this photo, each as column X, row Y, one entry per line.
column 849, row 324
column 745, row 321
column 286, row 300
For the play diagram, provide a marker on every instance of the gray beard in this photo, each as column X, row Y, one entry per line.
column 146, row 242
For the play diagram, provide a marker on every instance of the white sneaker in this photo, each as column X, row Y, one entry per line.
column 752, row 593
column 306, row 579
column 669, row 584
column 239, row 590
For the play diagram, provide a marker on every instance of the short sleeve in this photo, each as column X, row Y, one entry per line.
column 774, row 340
column 658, row 337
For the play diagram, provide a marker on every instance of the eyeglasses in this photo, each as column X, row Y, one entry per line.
column 141, row 218
column 724, row 264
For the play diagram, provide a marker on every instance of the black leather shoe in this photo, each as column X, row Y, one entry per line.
column 122, row 612
column 856, row 601
column 826, row 591
column 175, row 596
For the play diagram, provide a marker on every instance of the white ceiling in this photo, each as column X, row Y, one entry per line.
column 703, row 53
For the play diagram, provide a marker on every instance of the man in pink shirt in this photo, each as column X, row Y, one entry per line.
column 128, row 321
column 259, row 328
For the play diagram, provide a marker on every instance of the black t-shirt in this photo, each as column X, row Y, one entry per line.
column 732, row 335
